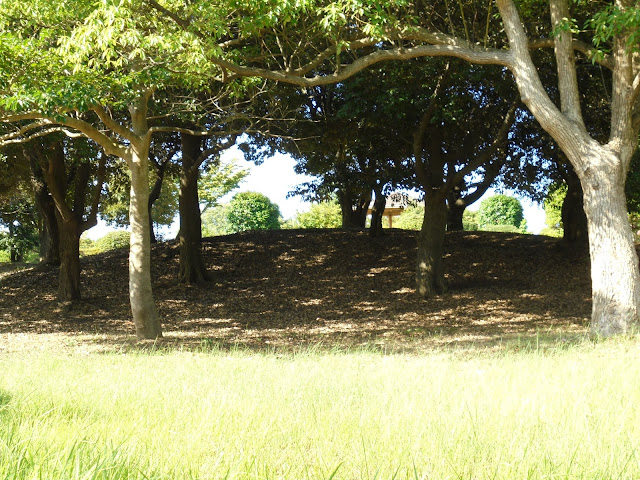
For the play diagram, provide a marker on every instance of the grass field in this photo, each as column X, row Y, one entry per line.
column 570, row 411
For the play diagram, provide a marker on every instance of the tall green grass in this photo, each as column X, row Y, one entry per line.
column 571, row 414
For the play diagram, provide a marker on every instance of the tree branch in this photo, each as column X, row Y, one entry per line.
column 92, row 218
column 493, row 57
column 566, row 62
column 485, row 156
column 110, row 147
column 111, row 124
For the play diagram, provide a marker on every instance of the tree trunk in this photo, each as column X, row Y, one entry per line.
column 154, row 194
column 360, row 212
column 69, row 274
column 455, row 207
column 574, row 220
column 377, row 212
column 455, row 213
column 429, row 271
column 143, row 309
column 353, row 216
column 49, row 233
column 192, row 268
column 615, row 276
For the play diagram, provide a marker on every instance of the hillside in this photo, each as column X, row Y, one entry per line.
column 306, row 287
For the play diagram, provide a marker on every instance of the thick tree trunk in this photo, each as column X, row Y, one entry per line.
column 145, row 315
column 377, row 212
column 354, row 211
column 455, row 213
column 615, row 275
column 192, row 268
column 430, row 279
column 69, row 274
column 574, row 220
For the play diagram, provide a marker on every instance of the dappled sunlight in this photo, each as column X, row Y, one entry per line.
column 291, row 289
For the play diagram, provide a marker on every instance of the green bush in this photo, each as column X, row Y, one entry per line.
column 500, row 210
column 112, row 241
column 320, row 215
column 253, row 211
column 214, row 221
column 410, row 219
column 470, row 221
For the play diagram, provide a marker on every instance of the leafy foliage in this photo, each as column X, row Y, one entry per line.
column 215, row 222
column 500, row 210
column 219, row 179
column 320, row 215
column 410, row 219
column 553, row 210
column 253, row 211
column 115, row 207
column 470, row 220
column 112, row 241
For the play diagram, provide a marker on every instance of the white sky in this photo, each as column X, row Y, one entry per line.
column 276, row 177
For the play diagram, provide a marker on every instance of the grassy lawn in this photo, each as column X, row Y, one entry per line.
column 568, row 411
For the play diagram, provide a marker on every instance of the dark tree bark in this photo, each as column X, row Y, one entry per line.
column 430, row 279
column 354, row 210
column 192, row 268
column 154, row 194
column 574, row 220
column 377, row 212
column 456, row 205
column 69, row 219
column 48, row 229
column 69, row 278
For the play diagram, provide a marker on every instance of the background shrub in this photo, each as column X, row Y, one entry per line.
column 253, row 211
column 320, row 215
column 111, row 241
column 410, row 219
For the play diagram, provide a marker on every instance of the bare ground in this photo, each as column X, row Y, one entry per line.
column 292, row 289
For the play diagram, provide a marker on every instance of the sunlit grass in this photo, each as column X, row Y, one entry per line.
column 570, row 412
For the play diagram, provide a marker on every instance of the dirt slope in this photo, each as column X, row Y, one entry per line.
column 301, row 287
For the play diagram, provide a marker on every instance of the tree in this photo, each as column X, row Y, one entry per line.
column 500, row 210
column 217, row 180
column 105, row 71
column 215, row 222
column 17, row 215
column 373, row 33
column 253, row 211
column 320, row 215
column 310, row 44
column 69, row 173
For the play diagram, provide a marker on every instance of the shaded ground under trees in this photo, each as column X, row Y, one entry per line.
column 295, row 288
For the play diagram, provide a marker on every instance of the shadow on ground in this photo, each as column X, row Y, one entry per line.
column 292, row 289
